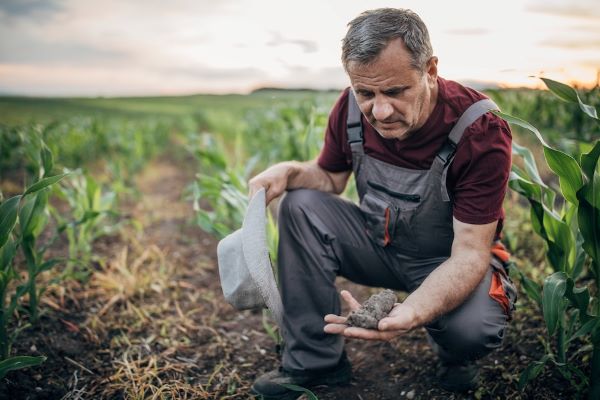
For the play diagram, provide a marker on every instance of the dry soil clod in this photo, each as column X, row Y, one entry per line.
column 373, row 310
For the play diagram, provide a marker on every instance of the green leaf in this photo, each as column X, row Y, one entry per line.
column 562, row 164
column 553, row 300
column 49, row 264
column 32, row 216
column 7, row 253
column 530, row 165
column 296, row 388
column 532, row 371
column 569, row 173
column 589, row 161
column 18, row 362
column 588, row 213
column 578, row 296
column 532, row 289
column 524, row 124
column 568, row 94
column 8, row 217
column 41, row 184
column 47, row 159
column 585, row 329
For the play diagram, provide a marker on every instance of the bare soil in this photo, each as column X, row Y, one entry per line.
column 152, row 323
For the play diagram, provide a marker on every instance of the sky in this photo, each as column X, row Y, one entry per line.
column 152, row 47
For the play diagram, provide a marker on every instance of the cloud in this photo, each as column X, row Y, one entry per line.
column 583, row 9
column 299, row 76
column 30, row 8
column 307, row 46
column 29, row 50
column 574, row 44
column 205, row 73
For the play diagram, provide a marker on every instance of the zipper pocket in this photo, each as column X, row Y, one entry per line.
column 415, row 198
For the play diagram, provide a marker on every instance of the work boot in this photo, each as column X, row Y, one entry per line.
column 458, row 377
column 269, row 386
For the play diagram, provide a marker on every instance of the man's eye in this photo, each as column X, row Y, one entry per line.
column 394, row 92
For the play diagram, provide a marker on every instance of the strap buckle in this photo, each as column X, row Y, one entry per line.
column 447, row 152
column 355, row 133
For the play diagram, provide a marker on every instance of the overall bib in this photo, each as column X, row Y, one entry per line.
column 401, row 232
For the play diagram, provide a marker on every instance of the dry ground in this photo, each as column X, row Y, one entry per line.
column 152, row 323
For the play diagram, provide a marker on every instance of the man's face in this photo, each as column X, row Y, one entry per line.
column 395, row 98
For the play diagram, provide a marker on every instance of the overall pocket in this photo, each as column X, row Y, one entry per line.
column 380, row 217
column 403, row 207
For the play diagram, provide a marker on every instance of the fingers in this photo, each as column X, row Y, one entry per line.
column 357, row 333
column 348, row 298
column 335, row 319
column 335, row 329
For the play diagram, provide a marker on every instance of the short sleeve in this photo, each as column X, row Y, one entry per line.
column 481, row 172
column 335, row 155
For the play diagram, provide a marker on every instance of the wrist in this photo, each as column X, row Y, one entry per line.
column 416, row 319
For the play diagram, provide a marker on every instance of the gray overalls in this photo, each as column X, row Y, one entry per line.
column 407, row 217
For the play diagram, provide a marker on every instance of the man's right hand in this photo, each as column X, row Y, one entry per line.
column 273, row 179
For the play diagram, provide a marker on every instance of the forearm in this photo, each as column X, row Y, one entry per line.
column 448, row 286
column 309, row 175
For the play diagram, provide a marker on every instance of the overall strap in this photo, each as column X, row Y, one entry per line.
column 354, row 125
column 446, row 154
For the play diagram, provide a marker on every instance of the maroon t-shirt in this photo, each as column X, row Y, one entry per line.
column 478, row 176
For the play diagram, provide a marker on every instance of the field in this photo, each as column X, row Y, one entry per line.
column 126, row 299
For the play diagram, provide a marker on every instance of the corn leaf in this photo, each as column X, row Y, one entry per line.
column 553, row 303
column 569, row 173
column 530, row 165
column 18, row 362
column 568, row 94
column 310, row 395
column 586, row 328
column 578, row 296
column 32, row 216
column 7, row 253
column 44, row 183
column 532, row 371
column 588, row 215
column 47, row 159
column 8, row 217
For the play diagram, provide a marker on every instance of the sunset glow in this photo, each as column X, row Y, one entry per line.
column 111, row 47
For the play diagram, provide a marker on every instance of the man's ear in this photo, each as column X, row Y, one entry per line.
column 431, row 69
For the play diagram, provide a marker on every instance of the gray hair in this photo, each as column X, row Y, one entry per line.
column 370, row 32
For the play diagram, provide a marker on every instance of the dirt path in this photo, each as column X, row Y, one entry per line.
column 153, row 322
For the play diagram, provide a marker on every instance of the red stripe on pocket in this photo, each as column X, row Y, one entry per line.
column 386, row 232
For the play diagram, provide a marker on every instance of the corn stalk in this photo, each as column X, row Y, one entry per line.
column 570, row 228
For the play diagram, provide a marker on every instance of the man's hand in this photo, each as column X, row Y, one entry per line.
column 289, row 175
column 401, row 319
column 273, row 179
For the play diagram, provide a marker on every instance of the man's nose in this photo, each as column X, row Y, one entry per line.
column 382, row 109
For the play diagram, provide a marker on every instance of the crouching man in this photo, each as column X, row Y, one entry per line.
column 431, row 165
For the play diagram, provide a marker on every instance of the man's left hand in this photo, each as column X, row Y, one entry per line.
column 401, row 319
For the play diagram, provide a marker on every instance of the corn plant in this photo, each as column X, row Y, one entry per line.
column 90, row 206
column 220, row 192
column 294, row 132
column 28, row 211
column 567, row 218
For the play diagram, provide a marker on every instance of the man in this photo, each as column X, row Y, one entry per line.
column 431, row 191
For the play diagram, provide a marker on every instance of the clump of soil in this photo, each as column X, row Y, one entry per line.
column 373, row 310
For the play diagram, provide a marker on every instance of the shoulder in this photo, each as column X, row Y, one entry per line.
column 457, row 98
